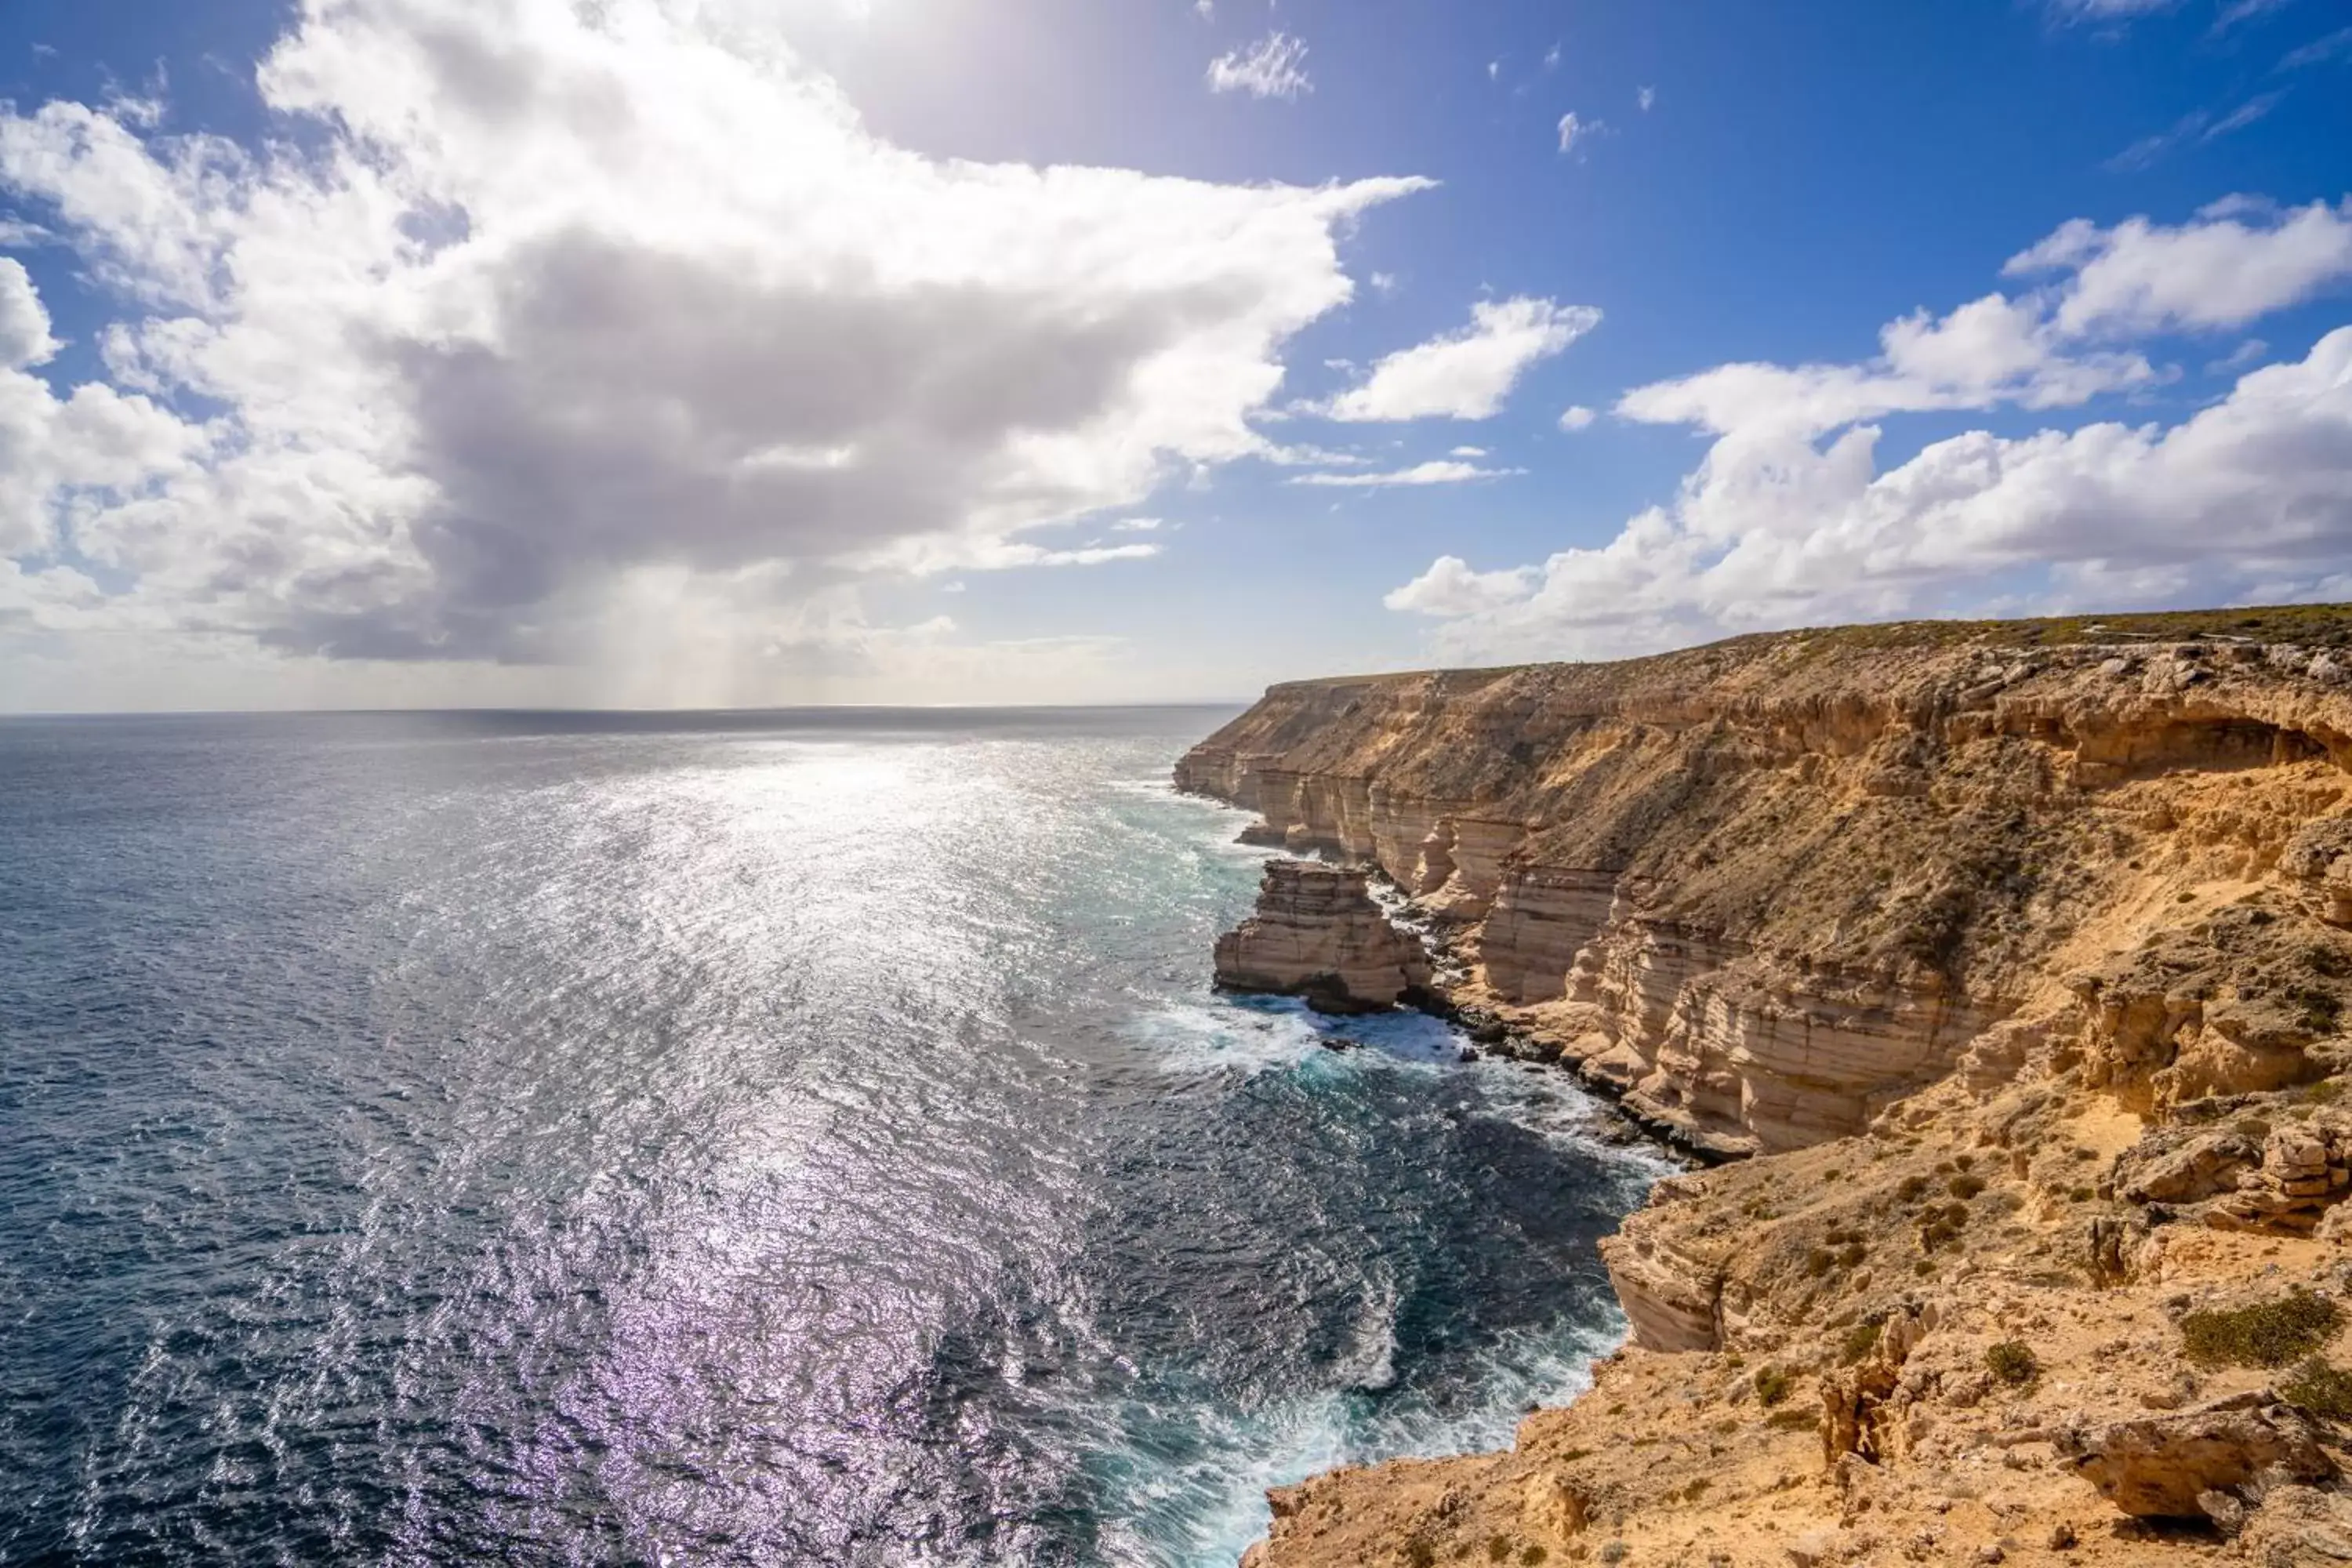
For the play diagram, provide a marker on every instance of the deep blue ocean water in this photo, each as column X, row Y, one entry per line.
column 790, row 1138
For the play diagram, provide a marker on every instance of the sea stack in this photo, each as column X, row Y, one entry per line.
column 1317, row 934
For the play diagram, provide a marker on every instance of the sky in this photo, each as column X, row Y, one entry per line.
column 749, row 352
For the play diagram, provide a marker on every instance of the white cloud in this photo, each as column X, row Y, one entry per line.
column 2199, row 125
column 516, row 324
column 1383, row 283
column 1467, row 452
column 1647, row 97
column 2319, row 51
column 1576, row 417
column 1136, row 525
column 1494, row 70
column 2106, row 10
column 1991, row 351
column 1450, row 588
column 1435, row 472
column 1207, row 9
column 1466, row 374
column 1274, row 67
column 2237, row 261
column 1574, row 129
column 1551, row 58
column 23, row 322
column 1789, row 519
column 2247, row 354
column 2245, row 11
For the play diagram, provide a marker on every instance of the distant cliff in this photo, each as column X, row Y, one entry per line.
column 2021, row 947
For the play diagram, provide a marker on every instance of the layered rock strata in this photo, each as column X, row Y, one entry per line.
column 2020, row 958
column 1768, row 887
column 1318, row 934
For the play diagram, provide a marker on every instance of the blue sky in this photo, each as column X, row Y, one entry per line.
column 425, row 384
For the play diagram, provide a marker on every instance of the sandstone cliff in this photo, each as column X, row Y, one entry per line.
column 1317, row 934
column 2018, row 950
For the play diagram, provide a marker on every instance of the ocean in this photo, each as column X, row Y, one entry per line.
column 781, row 1138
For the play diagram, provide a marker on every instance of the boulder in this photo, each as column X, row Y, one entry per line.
column 2196, row 1464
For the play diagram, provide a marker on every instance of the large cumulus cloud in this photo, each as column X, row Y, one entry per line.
column 534, row 300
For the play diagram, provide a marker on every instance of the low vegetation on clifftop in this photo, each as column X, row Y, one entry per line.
column 2020, row 957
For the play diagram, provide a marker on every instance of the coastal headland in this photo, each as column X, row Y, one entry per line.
column 2001, row 970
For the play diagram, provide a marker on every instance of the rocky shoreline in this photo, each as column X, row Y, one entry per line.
column 2000, row 974
column 1344, row 954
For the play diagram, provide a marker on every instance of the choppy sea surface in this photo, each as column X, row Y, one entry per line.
column 781, row 1138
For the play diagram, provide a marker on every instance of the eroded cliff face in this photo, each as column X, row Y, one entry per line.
column 2022, row 959
column 1317, row 934
column 1767, row 889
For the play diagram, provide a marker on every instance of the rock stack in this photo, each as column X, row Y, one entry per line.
column 1317, row 934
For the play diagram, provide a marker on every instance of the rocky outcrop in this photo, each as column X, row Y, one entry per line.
column 1319, row 935
column 1768, row 887
column 2019, row 958
column 2198, row 1464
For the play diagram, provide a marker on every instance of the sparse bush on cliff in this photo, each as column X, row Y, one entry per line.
column 1965, row 1187
column 2322, row 1009
column 2321, row 1387
column 2252, row 1127
column 1911, row 1189
column 1419, row 1552
column 2013, row 1361
column 1792, row 1419
column 2269, row 1333
column 1773, row 1385
column 1859, row 1341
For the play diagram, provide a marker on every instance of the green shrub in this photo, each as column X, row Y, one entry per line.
column 1498, row 1549
column 2252, row 1127
column 1773, row 1385
column 1852, row 1257
column 1859, row 1341
column 2327, row 1091
column 1791, row 1420
column 2012, row 1362
column 2321, row 1387
column 2269, row 1333
column 1966, row 1186
column 2322, row 1010
column 1819, row 1261
column 1531, row 1555
column 1420, row 1554
column 1911, row 1189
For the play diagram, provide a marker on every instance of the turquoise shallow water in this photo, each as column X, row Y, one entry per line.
column 780, row 1138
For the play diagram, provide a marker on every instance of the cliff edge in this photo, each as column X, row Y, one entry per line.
column 2017, row 953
